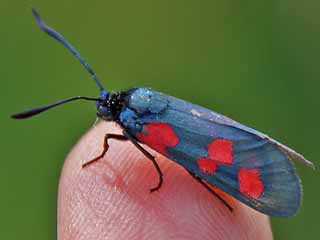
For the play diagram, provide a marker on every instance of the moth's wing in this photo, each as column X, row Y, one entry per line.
column 251, row 167
column 223, row 120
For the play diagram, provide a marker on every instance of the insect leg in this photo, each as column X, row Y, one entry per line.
column 148, row 155
column 106, row 147
column 211, row 191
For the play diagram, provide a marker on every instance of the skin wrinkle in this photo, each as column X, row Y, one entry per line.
column 110, row 199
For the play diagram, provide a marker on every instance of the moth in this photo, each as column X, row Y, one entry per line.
column 215, row 150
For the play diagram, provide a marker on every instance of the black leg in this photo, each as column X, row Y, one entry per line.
column 211, row 190
column 148, row 155
column 106, row 147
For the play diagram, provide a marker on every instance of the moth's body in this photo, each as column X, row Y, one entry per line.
column 245, row 163
column 183, row 132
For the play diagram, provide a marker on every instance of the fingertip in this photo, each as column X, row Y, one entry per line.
column 110, row 199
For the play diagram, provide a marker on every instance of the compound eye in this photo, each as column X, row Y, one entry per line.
column 99, row 115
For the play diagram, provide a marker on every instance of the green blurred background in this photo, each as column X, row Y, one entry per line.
column 255, row 61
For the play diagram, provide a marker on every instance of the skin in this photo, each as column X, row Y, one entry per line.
column 110, row 199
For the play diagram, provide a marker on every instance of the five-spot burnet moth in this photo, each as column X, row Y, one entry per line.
column 247, row 164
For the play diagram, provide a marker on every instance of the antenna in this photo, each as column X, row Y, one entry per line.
column 50, row 31
column 34, row 111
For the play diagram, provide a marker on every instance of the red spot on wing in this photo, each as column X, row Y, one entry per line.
column 219, row 152
column 159, row 136
column 207, row 165
column 250, row 182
